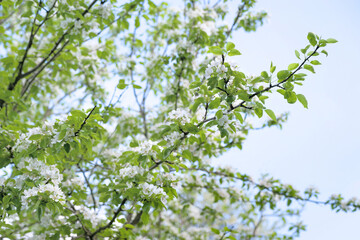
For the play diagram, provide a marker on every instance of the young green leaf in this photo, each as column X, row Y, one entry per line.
column 271, row 114
column 214, row 103
column 283, row 74
column 234, row 52
column 309, row 67
column 315, row 62
column 259, row 112
column 230, row 46
column 302, row 100
column 121, row 84
column 331, row 40
column 137, row 22
column 239, row 117
column 215, row 50
column 293, row 66
column 312, row 38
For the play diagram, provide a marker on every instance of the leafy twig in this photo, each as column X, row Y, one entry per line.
column 84, row 122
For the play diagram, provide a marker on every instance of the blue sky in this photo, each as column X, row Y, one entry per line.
column 318, row 146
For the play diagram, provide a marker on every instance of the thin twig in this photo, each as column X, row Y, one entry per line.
column 84, row 122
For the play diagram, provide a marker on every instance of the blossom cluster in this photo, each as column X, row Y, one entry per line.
column 215, row 66
column 146, row 148
column 105, row 10
column 55, row 193
column 23, row 142
column 149, row 190
column 205, row 25
column 180, row 115
column 223, row 121
column 173, row 137
column 344, row 205
column 89, row 214
column 165, row 178
column 130, row 171
column 49, row 172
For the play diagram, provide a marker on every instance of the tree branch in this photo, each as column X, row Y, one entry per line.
column 83, row 124
column 111, row 221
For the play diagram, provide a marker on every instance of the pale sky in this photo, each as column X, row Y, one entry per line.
column 318, row 146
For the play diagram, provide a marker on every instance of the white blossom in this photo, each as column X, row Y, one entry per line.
column 55, row 193
column 150, row 190
column 223, row 121
column 105, row 10
column 196, row 12
column 181, row 115
column 90, row 214
column 208, row 27
column 172, row 137
column 131, row 171
column 146, row 147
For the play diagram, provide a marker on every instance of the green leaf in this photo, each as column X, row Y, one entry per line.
column 239, row 117
column 78, row 113
column 129, row 226
column 197, row 102
column 35, row 137
column 145, row 217
column 304, row 50
column 216, row 231
column 302, row 100
column 67, row 147
column 309, row 67
column 187, row 154
column 151, row 4
column 121, row 84
column 243, row 95
column 312, row 38
column 191, row 128
column 212, row 82
column 315, row 62
column 234, row 52
column 39, row 212
column 331, row 40
column 283, row 74
column 215, row 50
column 219, row 114
column 259, row 112
column 272, row 68
column 290, row 97
column 223, row 132
column 137, row 22
column 297, row 54
column 264, row 74
column 26, row 14
column 215, row 103
column 271, row 114
column 136, row 86
column 230, row 46
column 195, row 84
column 325, row 52
column 293, row 66
column 92, row 35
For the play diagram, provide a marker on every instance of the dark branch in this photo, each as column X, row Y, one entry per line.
column 116, row 214
column 83, row 124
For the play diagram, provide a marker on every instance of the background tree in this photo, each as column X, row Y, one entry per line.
column 138, row 168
